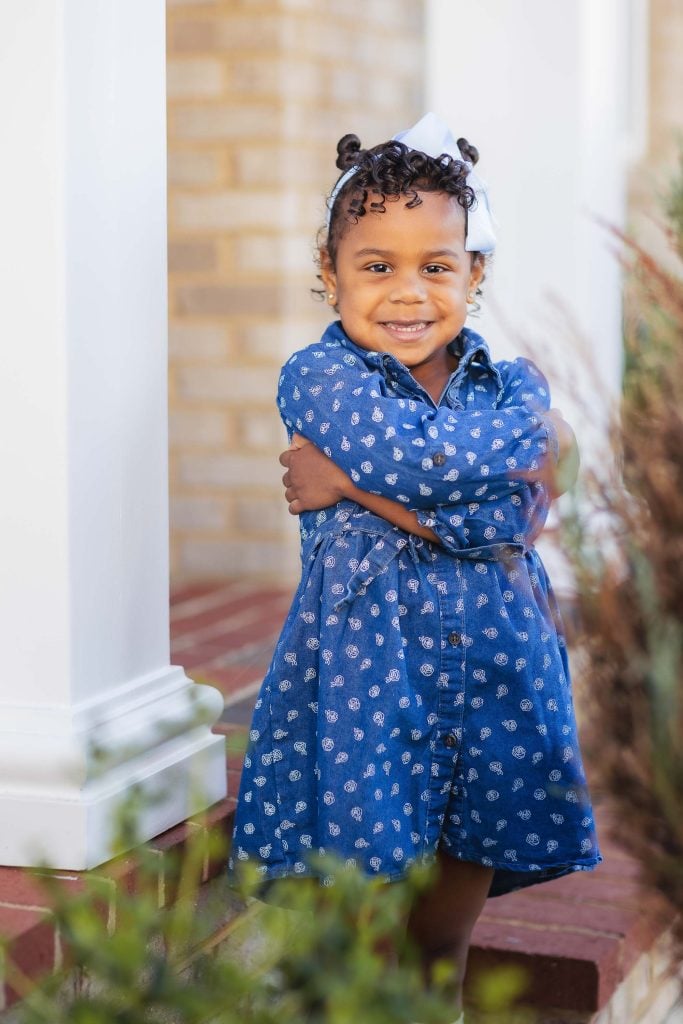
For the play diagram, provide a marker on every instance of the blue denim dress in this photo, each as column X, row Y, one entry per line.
column 419, row 695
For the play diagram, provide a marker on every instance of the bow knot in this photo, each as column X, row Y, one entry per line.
column 433, row 137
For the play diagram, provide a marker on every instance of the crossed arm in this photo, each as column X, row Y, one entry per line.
column 313, row 481
column 452, row 475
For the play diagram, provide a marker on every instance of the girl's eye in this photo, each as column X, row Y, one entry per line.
column 435, row 268
column 379, row 268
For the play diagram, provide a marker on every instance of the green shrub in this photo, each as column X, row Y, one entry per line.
column 311, row 954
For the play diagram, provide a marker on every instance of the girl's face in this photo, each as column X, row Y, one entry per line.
column 402, row 277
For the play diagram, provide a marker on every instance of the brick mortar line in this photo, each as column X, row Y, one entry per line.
column 181, row 641
column 237, row 654
column 217, row 188
column 308, row 53
column 583, row 902
column 184, row 450
column 7, row 905
column 257, row 671
column 217, row 629
column 303, row 146
column 246, row 691
column 327, row 22
column 228, row 660
column 212, row 599
column 540, row 927
column 270, row 98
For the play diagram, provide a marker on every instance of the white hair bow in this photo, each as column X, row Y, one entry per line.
column 432, row 136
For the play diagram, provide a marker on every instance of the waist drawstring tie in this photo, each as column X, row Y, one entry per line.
column 379, row 558
column 391, row 543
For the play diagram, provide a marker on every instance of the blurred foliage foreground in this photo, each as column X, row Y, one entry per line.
column 312, row 954
column 630, row 588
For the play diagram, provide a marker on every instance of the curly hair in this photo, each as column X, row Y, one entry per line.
column 391, row 170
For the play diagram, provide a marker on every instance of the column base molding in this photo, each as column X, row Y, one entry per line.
column 66, row 771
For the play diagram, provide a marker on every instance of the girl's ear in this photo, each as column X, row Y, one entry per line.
column 329, row 276
column 477, row 272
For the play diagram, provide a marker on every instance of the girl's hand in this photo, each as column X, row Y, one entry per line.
column 567, row 468
column 312, row 481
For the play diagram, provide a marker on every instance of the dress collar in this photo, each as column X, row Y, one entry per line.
column 469, row 347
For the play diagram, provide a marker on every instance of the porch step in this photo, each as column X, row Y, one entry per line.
column 581, row 939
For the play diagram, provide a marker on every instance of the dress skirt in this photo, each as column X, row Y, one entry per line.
column 416, row 701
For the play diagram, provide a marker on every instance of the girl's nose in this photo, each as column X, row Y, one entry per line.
column 408, row 288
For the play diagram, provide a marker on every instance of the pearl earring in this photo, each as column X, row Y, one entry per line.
column 470, row 297
column 332, row 297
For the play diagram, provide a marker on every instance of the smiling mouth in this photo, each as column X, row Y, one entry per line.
column 406, row 327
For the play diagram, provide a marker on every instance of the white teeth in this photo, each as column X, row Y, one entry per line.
column 408, row 328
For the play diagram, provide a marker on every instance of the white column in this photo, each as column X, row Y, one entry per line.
column 543, row 89
column 549, row 93
column 89, row 705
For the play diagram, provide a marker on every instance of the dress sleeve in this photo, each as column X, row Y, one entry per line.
column 493, row 516
column 516, row 518
column 405, row 449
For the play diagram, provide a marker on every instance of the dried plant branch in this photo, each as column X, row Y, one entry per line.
column 630, row 594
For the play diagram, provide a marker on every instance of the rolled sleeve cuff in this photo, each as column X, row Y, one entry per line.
column 429, row 519
column 426, row 518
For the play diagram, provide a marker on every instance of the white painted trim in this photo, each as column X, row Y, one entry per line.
column 56, row 750
column 90, row 708
column 76, row 830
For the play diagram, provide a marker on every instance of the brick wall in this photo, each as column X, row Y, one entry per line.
column 259, row 91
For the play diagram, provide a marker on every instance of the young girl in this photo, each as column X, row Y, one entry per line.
column 418, row 703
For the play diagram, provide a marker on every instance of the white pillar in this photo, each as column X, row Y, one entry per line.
column 547, row 93
column 550, row 94
column 89, row 705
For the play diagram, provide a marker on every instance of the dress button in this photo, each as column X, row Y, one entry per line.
column 450, row 741
column 438, row 459
column 454, row 639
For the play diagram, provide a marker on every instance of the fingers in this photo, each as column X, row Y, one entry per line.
column 295, row 505
column 298, row 441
